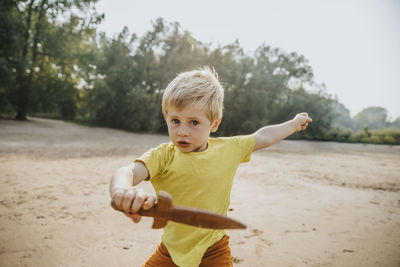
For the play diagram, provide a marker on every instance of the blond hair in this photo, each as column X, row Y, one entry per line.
column 199, row 88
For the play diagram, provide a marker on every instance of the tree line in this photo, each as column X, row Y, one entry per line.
column 54, row 63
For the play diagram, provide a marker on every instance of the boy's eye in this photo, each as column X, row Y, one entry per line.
column 175, row 121
column 194, row 122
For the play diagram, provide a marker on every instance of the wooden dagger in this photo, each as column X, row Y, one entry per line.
column 164, row 211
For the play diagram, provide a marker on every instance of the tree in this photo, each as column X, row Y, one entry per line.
column 341, row 116
column 118, row 98
column 396, row 122
column 373, row 117
column 10, row 39
column 35, row 38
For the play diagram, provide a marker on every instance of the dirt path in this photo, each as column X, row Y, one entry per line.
column 306, row 203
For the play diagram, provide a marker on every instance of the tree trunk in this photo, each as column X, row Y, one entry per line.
column 22, row 101
column 23, row 98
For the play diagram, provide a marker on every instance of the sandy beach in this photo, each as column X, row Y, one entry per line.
column 305, row 203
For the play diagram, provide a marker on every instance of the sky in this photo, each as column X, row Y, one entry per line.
column 353, row 46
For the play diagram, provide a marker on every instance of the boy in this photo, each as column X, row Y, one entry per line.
column 196, row 170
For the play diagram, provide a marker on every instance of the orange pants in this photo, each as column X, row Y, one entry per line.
column 218, row 255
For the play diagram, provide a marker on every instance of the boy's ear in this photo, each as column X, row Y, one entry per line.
column 214, row 126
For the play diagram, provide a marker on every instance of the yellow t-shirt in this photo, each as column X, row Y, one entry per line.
column 200, row 180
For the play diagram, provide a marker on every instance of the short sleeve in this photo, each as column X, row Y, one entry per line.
column 245, row 144
column 156, row 159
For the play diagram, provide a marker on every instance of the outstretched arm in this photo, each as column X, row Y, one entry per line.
column 272, row 134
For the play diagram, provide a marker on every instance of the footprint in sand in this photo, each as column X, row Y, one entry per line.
column 257, row 233
column 87, row 192
column 266, row 242
column 259, row 246
column 236, row 260
column 5, row 204
column 48, row 237
column 120, row 243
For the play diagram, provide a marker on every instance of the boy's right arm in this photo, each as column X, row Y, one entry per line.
column 124, row 193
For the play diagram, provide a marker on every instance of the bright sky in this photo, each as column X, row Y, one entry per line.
column 353, row 46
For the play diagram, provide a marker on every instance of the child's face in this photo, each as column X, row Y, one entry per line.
column 189, row 128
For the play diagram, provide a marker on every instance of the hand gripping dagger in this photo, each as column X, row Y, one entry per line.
column 164, row 211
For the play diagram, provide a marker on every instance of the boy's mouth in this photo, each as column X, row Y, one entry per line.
column 183, row 144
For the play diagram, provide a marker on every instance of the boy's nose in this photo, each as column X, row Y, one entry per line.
column 183, row 131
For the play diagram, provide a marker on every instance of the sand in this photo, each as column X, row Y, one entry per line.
column 305, row 203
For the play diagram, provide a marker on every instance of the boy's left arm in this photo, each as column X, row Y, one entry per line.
column 272, row 134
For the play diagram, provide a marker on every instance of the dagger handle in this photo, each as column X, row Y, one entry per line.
column 148, row 213
column 152, row 212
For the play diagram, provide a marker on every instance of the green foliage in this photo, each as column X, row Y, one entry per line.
column 42, row 41
column 63, row 68
column 317, row 105
column 396, row 123
column 389, row 136
column 10, row 24
column 338, row 134
column 373, row 117
column 341, row 117
column 130, row 110
column 371, row 125
column 116, row 100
